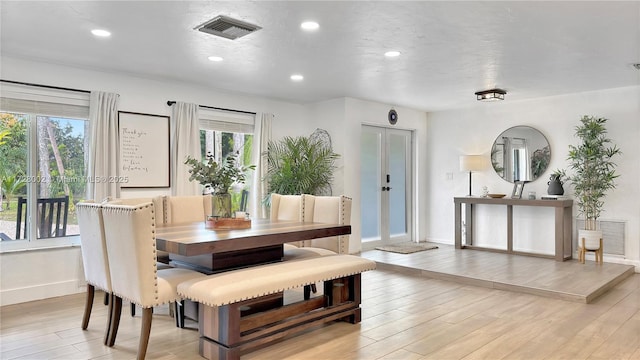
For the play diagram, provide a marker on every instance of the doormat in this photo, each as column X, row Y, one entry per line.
column 407, row 248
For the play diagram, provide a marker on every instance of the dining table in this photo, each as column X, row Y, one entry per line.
column 194, row 246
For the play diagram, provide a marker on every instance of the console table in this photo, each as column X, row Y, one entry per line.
column 563, row 223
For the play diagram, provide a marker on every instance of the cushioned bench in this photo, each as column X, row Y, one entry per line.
column 244, row 308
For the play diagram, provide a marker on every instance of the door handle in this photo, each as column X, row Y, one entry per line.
column 386, row 188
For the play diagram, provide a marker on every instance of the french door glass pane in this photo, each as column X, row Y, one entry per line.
column 397, row 169
column 370, row 185
column 13, row 171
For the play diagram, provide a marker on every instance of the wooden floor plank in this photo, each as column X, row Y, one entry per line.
column 568, row 280
column 406, row 315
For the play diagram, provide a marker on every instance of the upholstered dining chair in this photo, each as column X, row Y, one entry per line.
column 131, row 248
column 180, row 209
column 159, row 203
column 322, row 209
column 287, row 207
column 94, row 258
column 328, row 209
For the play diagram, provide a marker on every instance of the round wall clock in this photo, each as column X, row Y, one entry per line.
column 393, row 117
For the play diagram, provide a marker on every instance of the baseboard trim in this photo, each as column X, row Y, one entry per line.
column 39, row 292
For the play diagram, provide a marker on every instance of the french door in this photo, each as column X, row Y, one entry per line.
column 385, row 186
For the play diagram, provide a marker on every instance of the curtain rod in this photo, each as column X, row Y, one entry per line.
column 171, row 102
column 45, row 86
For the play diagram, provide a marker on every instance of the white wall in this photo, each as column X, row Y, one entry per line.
column 36, row 274
column 473, row 131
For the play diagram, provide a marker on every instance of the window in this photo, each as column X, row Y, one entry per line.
column 43, row 144
column 223, row 133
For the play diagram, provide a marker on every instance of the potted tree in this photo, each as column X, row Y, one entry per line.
column 593, row 174
column 300, row 165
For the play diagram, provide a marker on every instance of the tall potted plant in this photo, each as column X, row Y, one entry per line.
column 593, row 174
column 217, row 180
column 300, row 165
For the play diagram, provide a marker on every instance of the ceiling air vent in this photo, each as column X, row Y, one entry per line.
column 227, row 27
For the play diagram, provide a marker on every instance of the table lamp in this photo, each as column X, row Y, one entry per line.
column 471, row 163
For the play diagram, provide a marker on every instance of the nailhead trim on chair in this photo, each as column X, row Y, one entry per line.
column 153, row 231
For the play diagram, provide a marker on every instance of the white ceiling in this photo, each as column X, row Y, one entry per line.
column 449, row 49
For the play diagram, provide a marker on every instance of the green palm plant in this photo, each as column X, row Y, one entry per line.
column 593, row 168
column 300, row 165
column 11, row 186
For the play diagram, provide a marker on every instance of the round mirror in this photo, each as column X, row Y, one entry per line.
column 520, row 153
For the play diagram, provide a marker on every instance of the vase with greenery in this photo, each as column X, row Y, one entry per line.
column 300, row 165
column 593, row 174
column 217, row 179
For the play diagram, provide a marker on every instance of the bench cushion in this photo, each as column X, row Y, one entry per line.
column 243, row 284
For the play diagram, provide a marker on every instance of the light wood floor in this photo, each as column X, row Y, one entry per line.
column 568, row 280
column 405, row 316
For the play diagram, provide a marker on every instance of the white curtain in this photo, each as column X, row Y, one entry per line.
column 261, row 137
column 185, row 141
column 103, row 146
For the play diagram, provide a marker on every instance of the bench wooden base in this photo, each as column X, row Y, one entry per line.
column 228, row 331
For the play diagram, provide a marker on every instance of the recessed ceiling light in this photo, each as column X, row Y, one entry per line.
column 309, row 25
column 392, row 53
column 297, row 77
column 100, row 33
column 215, row 58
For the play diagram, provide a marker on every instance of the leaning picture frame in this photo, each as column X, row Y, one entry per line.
column 518, row 187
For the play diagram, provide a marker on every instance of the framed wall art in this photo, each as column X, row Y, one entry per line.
column 144, row 150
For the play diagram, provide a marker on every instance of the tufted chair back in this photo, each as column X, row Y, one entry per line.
column 131, row 246
column 94, row 247
column 328, row 209
column 180, row 209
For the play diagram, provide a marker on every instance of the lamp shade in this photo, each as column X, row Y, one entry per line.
column 471, row 163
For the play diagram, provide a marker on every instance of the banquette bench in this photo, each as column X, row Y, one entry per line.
column 244, row 308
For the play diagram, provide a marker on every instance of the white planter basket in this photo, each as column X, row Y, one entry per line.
column 590, row 240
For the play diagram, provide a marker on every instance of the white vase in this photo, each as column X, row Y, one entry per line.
column 591, row 239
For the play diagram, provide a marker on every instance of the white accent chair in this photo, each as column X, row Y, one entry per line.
column 287, row 207
column 94, row 258
column 158, row 208
column 323, row 209
column 131, row 248
column 179, row 209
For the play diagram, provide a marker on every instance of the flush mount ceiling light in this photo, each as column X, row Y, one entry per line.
column 491, row 95
column 100, row 33
column 297, row 77
column 215, row 58
column 392, row 53
column 309, row 25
